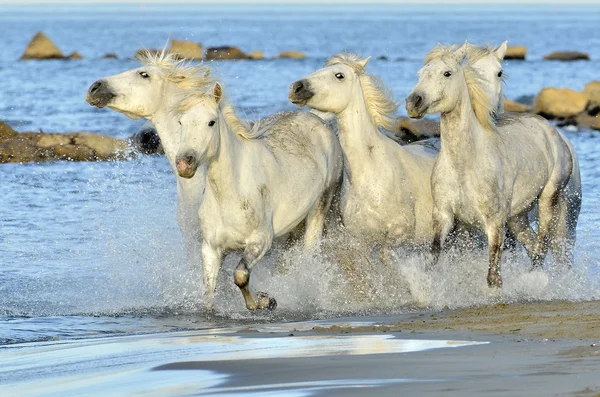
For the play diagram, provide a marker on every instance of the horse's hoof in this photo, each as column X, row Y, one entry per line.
column 265, row 302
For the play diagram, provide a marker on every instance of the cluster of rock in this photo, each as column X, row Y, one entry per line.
column 519, row 52
column 569, row 106
column 76, row 146
column 41, row 47
column 189, row 50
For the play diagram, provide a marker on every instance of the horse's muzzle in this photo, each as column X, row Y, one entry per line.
column 300, row 92
column 415, row 106
column 99, row 94
column 186, row 165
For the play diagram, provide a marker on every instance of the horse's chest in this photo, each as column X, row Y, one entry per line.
column 229, row 224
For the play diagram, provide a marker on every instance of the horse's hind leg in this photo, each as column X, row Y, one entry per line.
column 547, row 213
column 563, row 234
column 521, row 230
column 316, row 219
column 255, row 249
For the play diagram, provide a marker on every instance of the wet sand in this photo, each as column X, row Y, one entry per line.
column 538, row 349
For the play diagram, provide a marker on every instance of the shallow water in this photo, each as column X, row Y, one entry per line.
column 93, row 249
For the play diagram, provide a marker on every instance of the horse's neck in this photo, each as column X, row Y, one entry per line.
column 358, row 133
column 223, row 169
column 462, row 136
column 166, row 125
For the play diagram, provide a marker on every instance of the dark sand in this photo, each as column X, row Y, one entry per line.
column 536, row 349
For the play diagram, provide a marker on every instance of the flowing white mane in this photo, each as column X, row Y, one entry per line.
column 440, row 51
column 177, row 70
column 379, row 100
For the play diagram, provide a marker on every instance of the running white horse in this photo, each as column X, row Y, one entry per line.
column 261, row 183
column 386, row 193
column 487, row 61
column 152, row 92
column 487, row 175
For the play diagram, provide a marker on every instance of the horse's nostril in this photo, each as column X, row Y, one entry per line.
column 418, row 100
column 299, row 87
column 95, row 87
column 189, row 159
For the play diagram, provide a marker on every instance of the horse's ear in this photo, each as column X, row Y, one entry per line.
column 363, row 62
column 217, row 92
column 501, row 50
column 461, row 51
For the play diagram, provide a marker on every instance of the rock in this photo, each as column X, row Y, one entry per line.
column 110, row 55
column 292, row 55
column 586, row 120
column 383, row 58
column 75, row 55
column 516, row 52
column 592, row 91
column 6, row 131
column 186, row 49
column 76, row 146
column 51, row 140
column 217, row 53
column 40, row 47
column 104, row 147
column 567, row 56
column 516, row 107
column 256, row 55
column 560, row 103
column 146, row 140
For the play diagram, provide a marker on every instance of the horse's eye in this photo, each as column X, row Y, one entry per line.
column 339, row 76
column 211, row 123
column 144, row 75
column 179, row 122
column 447, row 74
column 500, row 73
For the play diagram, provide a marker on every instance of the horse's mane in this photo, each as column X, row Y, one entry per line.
column 439, row 51
column 177, row 70
column 477, row 52
column 237, row 125
column 481, row 102
column 378, row 99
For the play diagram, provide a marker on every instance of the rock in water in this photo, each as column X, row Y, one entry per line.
column 186, row 49
column 292, row 54
column 592, row 91
column 40, row 47
column 6, row 131
column 560, row 103
column 75, row 55
column 516, row 52
column 567, row 56
column 256, row 55
column 227, row 52
column 146, row 140
column 515, row 107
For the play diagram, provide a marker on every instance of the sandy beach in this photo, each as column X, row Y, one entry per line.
column 539, row 349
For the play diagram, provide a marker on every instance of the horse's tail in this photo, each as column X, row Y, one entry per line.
column 564, row 232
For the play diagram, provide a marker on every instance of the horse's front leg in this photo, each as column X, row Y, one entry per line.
column 495, row 236
column 211, row 262
column 443, row 223
column 254, row 251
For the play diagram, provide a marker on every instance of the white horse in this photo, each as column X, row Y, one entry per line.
column 386, row 194
column 261, row 182
column 152, row 92
column 487, row 61
column 488, row 175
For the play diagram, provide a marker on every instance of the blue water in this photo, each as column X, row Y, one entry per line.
column 88, row 249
